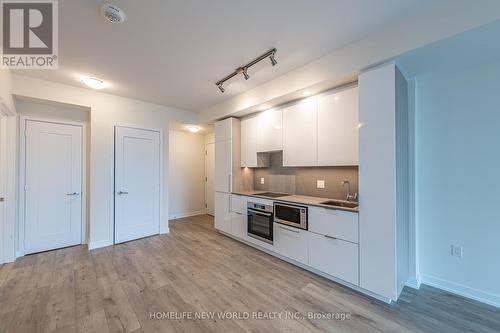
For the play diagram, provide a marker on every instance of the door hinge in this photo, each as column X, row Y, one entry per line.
column 25, row 188
column 206, row 152
column 206, row 206
column 206, row 179
column 25, row 133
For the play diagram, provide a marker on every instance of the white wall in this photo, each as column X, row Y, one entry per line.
column 106, row 111
column 187, row 174
column 457, row 180
column 6, row 89
column 7, row 241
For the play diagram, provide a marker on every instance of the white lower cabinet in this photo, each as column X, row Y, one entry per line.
column 238, row 204
column 291, row 242
column 239, row 225
column 223, row 212
column 336, row 223
column 334, row 257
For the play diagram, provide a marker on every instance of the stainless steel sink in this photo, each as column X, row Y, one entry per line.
column 339, row 203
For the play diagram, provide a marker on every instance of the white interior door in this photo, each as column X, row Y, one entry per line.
column 209, row 180
column 3, row 175
column 137, row 183
column 53, row 200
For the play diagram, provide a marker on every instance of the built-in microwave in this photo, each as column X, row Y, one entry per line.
column 292, row 215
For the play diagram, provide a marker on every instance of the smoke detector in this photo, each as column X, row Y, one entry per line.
column 112, row 13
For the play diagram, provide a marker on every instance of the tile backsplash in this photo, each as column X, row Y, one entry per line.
column 302, row 180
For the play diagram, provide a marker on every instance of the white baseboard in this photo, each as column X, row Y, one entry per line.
column 468, row 292
column 99, row 244
column 181, row 215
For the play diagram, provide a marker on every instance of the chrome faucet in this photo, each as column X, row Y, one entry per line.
column 349, row 196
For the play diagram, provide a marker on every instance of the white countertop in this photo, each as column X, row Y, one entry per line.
column 299, row 199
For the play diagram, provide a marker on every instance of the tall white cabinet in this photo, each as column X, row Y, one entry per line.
column 338, row 128
column 227, row 169
column 383, row 181
column 300, row 134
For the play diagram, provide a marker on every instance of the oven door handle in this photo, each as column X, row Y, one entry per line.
column 259, row 213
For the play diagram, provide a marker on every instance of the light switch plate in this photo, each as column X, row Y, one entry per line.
column 262, row 180
column 320, row 184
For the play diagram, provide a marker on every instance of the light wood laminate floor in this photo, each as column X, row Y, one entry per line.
column 195, row 270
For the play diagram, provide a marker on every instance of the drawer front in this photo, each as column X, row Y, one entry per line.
column 239, row 225
column 291, row 243
column 334, row 257
column 238, row 204
column 335, row 223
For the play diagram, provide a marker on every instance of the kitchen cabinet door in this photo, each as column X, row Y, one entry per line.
column 338, row 128
column 269, row 131
column 223, row 129
column 249, row 142
column 223, row 212
column 223, row 166
column 291, row 242
column 334, row 256
column 300, row 134
column 239, row 225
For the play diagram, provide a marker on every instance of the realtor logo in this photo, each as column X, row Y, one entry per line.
column 29, row 34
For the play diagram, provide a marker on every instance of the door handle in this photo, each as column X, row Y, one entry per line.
column 74, row 193
column 121, row 193
column 2, row 199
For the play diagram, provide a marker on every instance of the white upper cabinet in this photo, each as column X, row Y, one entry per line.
column 249, row 142
column 270, row 131
column 338, row 128
column 300, row 134
column 223, row 129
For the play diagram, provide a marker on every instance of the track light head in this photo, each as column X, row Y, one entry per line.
column 219, row 85
column 245, row 73
column 273, row 60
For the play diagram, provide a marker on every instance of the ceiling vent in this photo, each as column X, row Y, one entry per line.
column 112, row 13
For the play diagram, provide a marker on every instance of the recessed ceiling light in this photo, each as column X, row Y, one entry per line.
column 306, row 93
column 93, row 82
column 336, row 98
column 193, row 129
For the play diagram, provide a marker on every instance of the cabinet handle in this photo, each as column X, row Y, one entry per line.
column 331, row 237
column 229, row 183
column 296, row 231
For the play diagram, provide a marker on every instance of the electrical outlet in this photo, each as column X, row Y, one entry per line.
column 320, row 184
column 262, row 180
column 457, row 251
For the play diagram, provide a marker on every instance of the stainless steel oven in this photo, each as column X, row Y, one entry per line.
column 292, row 215
column 260, row 221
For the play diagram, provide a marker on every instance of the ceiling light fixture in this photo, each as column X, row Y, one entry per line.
column 244, row 69
column 193, row 129
column 93, row 82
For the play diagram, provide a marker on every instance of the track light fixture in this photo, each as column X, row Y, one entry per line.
column 273, row 60
column 244, row 69
column 245, row 73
